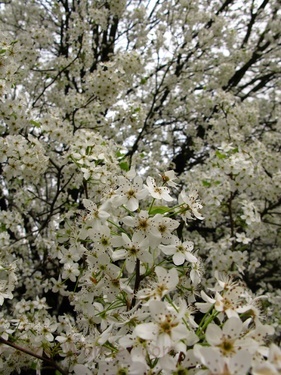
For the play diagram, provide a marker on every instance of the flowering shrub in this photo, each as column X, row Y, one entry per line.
column 114, row 258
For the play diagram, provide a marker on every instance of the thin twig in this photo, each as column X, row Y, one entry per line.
column 29, row 352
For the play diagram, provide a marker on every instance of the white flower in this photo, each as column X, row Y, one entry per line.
column 226, row 147
column 132, row 249
column 144, row 225
column 68, row 255
column 129, row 193
column 109, row 283
column 166, row 330
column 158, row 192
column 181, row 251
column 4, row 292
column 204, row 307
column 228, row 302
column 122, row 363
column 241, row 237
column 190, row 204
column 224, row 282
column 97, row 215
column 70, row 271
column 165, row 226
column 45, row 330
column 228, row 340
column 7, row 281
column 217, row 364
column 273, row 364
column 196, row 272
column 102, row 239
column 167, row 281
column 138, row 347
column 169, row 177
column 250, row 213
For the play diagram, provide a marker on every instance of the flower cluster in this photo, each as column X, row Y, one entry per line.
column 134, row 281
column 139, row 189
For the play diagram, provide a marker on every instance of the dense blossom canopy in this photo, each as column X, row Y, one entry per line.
column 140, row 187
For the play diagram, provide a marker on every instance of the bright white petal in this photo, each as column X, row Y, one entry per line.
column 178, row 259
column 232, row 327
column 160, row 272
column 179, row 332
column 265, row 369
column 168, row 250
column 126, row 240
column 119, row 254
column 132, row 204
column 147, row 331
column 190, row 257
column 158, row 309
column 164, row 343
column 210, row 358
column 240, row 363
column 130, row 264
column 213, row 334
column 81, row 370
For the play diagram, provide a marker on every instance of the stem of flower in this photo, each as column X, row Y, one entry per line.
column 151, row 205
column 137, row 282
column 207, row 319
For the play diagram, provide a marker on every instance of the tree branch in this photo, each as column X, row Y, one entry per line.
column 29, row 352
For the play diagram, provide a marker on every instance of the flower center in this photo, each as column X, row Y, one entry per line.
column 162, row 228
column 160, row 289
column 130, row 194
column 143, row 224
column 227, row 347
column 133, row 250
column 167, row 325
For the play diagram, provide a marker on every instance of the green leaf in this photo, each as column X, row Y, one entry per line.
column 124, row 166
column 3, row 227
column 35, row 123
column 143, row 81
column 159, row 210
column 206, row 183
column 220, row 155
column 89, row 150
